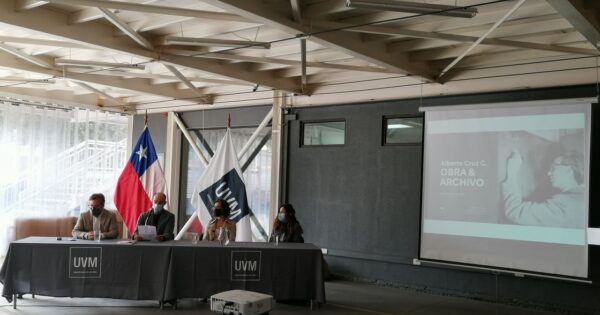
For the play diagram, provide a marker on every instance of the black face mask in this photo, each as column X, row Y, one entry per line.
column 96, row 211
column 218, row 212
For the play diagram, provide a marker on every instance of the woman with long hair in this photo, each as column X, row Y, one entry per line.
column 220, row 220
column 286, row 227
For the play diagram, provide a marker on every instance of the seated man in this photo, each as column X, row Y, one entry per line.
column 158, row 216
column 105, row 219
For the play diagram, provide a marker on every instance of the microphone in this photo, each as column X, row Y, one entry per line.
column 147, row 217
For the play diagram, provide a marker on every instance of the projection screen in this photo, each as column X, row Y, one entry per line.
column 506, row 186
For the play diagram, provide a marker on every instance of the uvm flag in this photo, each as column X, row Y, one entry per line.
column 223, row 179
column 140, row 180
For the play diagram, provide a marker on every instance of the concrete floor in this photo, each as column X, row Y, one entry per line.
column 343, row 297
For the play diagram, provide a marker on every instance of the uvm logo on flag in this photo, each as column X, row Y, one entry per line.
column 231, row 188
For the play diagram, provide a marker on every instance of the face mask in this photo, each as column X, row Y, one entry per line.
column 218, row 212
column 96, row 211
column 281, row 217
column 157, row 208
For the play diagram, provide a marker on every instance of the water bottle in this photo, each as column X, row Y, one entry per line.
column 220, row 235
column 96, row 228
column 226, row 236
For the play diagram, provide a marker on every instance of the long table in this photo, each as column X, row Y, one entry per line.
column 288, row 271
column 160, row 271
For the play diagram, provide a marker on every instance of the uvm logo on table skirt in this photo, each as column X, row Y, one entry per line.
column 85, row 262
column 245, row 265
column 231, row 188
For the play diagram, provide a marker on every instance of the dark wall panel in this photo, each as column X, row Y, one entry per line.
column 361, row 202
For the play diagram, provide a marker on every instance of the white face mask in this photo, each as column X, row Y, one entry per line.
column 157, row 208
column 281, row 217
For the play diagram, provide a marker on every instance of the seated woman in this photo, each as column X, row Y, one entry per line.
column 286, row 227
column 220, row 220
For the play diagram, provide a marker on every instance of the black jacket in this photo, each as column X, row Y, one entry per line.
column 164, row 226
column 281, row 232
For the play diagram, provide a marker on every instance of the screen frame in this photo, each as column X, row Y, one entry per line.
column 592, row 103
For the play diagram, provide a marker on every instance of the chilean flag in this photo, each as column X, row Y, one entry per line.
column 140, row 180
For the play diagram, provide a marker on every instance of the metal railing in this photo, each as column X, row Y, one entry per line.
column 60, row 182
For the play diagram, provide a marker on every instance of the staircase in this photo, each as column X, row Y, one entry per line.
column 62, row 183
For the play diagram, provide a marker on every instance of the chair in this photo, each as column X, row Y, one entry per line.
column 62, row 226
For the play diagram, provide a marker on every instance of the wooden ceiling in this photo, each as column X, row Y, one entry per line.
column 179, row 55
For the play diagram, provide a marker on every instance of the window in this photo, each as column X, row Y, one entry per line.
column 323, row 133
column 54, row 159
column 403, row 130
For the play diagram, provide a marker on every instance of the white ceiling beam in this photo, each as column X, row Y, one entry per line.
column 582, row 17
column 558, row 38
column 42, row 42
column 134, row 84
column 480, row 39
column 502, row 58
column 203, row 97
column 148, row 8
column 93, row 13
column 91, row 63
column 29, row 58
column 313, row 64
column 151, row 76
column 53, row 23
column 60, row 96
column 125, row 28
column 153, row 23
column 22, row 5
column 97, row 91
column 325, row 8
column 29, row 81
column 195, row 41
column 344, row 42
column 384, row 30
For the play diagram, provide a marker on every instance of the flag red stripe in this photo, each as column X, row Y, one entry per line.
column 130, row 197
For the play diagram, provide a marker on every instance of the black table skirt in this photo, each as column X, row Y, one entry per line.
column 160, row 271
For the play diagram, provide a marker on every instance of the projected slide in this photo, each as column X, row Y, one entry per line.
column 507, row 187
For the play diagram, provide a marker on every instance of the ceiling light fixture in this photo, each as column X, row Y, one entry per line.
column 89, row 63
column 195, row 41
column 413, row 7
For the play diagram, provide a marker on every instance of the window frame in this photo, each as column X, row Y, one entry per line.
column 384, row 129
column 319, row 121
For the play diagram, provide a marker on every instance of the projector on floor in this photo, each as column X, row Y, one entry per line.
column 240, row 302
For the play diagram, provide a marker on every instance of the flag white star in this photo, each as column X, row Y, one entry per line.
column 141, row 153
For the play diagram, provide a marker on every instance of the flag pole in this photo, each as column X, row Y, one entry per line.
column 146, row 119
column 253, row 137
column 188, row 136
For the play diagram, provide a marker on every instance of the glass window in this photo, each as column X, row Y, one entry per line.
column 403, row 130
column 257, row 172
column 55, row 159
column 323, row 133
